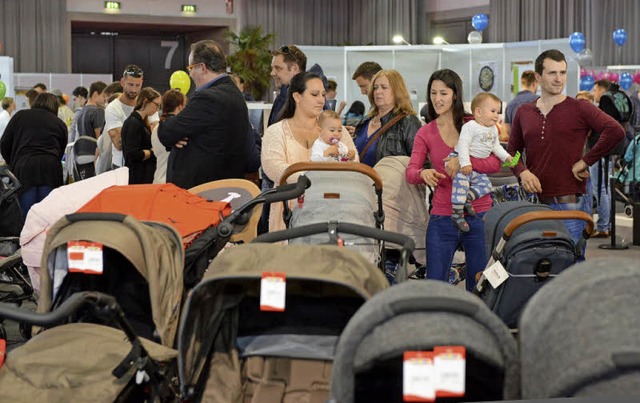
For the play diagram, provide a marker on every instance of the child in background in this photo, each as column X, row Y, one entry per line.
column 330, row 97
column 328, row 146
column 479, row 139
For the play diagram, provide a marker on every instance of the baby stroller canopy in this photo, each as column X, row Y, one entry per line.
column 324, row 286
column 419, row 315
column 189, row 214
column 154, row 250
column 580, row 334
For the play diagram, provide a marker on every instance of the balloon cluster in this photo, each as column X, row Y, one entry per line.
column 480, row 22
column 589, row 77
column 3, row 90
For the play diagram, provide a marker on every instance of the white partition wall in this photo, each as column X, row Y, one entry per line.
column 492, row 67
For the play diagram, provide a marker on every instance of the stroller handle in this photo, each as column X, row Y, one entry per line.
column 66, row 309
column 5, row 171
column 549, row 215
column 287, row 192
column 332, row 166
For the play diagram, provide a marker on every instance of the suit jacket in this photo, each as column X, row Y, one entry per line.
column 216, row 122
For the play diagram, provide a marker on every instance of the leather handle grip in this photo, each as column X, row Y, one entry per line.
column 332, row 166
column 549, row 215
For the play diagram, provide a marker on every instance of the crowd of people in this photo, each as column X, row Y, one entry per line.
column 167, row 138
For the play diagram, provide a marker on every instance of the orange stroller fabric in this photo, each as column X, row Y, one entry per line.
column 188, row 213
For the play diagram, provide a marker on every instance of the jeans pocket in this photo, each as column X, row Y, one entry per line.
column 435, row 218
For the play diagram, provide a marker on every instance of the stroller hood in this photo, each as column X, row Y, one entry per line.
column 405, row 207
column 340, row 272
column 154, row 249
column 71, row 363
column 189, row 214
column 418, row 315
column 580, row 334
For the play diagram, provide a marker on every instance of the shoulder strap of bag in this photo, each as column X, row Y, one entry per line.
column 379, row 133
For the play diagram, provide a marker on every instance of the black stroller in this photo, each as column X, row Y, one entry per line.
column 81, row 155
column 14, row 285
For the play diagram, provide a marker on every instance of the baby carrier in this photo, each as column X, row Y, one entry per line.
column 580, row 335
column 532, row 244
column 231, row 350
column 418, row 316
column 344, row 192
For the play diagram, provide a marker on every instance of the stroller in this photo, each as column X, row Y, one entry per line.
column 418, row 316
column 627, row 189
column 580, row 335
column 231, row 350
column 405, row 208
column 11, row 220
column 85, row 362
column 531, row 242
column 80, row 157
column 345, row 192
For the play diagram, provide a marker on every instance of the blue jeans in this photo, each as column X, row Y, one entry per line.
column 32, row 196
column 604, row 203
column 443, row 238
column 575, row 227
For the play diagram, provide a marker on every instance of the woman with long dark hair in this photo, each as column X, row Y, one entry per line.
column 290, row 140
column 136, row 138
column 436, row 141
column 32, row 145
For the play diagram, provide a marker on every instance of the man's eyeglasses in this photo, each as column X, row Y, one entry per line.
column 135, row 72
column 192, row 66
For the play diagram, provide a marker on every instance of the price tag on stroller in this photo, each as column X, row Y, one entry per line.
column 273, row 291
column 496, row 274
column 418, row 377
column 85, row 257
column 450, row 363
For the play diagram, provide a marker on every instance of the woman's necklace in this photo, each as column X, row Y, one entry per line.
column 375, row 122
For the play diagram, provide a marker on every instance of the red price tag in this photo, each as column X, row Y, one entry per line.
column 85, row 257
column 418, row 377
column 273, row 291
column 450, row 363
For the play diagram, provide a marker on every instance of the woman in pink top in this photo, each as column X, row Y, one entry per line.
column 436, row 141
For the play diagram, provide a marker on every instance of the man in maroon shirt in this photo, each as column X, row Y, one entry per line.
column 552, row 131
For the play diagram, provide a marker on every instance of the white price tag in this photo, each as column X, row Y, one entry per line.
column 496, row 274
column 85, row 257
column 450, row 363
column 273, row 292
column 418, row 377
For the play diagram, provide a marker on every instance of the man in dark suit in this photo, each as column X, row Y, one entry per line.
column 207, row 138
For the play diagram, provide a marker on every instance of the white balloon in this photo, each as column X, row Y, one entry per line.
column 585, row 57
column 474, row 37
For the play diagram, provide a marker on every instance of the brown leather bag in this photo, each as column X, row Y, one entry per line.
column 380, row 132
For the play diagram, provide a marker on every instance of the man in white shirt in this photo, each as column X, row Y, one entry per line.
column 120, row 109
column 8, row 107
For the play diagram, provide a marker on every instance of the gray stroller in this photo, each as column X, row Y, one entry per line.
column 419, row 315
column 533, row 245
column 580, row 335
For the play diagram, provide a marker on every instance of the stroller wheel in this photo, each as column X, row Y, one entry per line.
column 628, row 210
column 25, row 331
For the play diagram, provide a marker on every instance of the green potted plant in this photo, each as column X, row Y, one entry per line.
column 252, row 59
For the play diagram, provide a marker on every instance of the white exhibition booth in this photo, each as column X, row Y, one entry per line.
column 493, row 67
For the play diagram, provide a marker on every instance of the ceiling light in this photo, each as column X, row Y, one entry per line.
column 189, row 8
column 398, row 39
column 438, row 40
column 112, row 5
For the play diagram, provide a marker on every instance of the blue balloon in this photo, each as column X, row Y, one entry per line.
column 625, row 81
column 620, row 36
column 480, row 21
column 587, row 82
column 577, row 42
